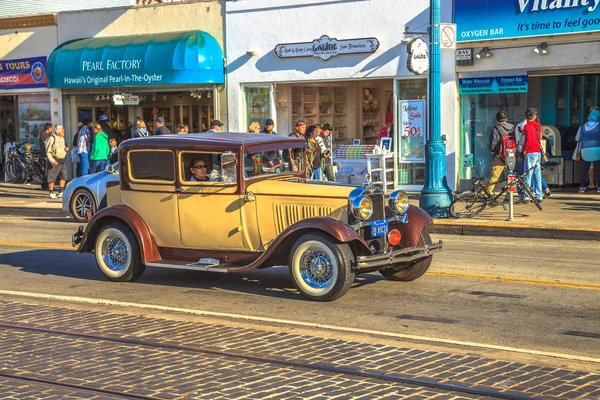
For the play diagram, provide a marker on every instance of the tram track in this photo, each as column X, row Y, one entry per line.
column 49, row 384
column 321, row 367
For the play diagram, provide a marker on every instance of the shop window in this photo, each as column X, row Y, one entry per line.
column 152, row 165
column 258, row 104
column 410, row 144
column 34, row 112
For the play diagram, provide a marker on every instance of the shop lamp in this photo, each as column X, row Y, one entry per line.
column 541, row 49
column 485, row 52
column 209, row 94
column 97, row 97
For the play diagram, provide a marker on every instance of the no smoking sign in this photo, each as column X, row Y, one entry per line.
column 448, row 36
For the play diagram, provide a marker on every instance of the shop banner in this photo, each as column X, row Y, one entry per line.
column 503, row 19
column 493, row 85
column 411, row 115
column 34, row 112
column 23, row 73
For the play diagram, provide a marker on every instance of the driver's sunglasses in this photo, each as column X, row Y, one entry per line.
column 199, row 166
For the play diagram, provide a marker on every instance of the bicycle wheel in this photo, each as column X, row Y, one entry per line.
column 529, row 193
column 15, row 172
column 35, row 171
column 467, row 205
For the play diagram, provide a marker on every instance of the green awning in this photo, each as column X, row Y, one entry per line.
column 177, row 58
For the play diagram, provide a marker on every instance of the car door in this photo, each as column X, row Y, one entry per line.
column 209, row 212
column 151, row 193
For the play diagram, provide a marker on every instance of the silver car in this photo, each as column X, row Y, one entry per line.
column 85, row 195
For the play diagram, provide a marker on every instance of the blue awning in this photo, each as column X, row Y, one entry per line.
column 177, row 58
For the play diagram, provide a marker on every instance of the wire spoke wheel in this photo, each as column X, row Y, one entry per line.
column 467, row 205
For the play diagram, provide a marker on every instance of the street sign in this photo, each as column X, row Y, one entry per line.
column 512, row 179
column 448, row 36
column 418, row 56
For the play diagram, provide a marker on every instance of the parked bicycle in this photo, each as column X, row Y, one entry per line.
column 22, row 165
column 469, row 204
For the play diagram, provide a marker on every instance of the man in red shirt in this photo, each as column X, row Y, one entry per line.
column 532, row 153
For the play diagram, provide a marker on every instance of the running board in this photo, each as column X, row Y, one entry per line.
column 202, row 265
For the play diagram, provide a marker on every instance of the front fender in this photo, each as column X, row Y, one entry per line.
column 121, row 213
column 411, row 231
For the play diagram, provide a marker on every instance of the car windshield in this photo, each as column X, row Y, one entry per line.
column 273, row 163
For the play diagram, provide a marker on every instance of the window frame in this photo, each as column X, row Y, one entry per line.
column 132, row 179
column 181, row 172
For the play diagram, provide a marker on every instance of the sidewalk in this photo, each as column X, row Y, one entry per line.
column 566, row 215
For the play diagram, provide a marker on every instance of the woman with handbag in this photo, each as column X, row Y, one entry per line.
column 588, row 148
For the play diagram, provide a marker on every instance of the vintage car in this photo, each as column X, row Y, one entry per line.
column 166, row 211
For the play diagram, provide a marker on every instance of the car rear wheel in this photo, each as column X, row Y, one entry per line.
column 118, row 254
column 414, row 270
column 83, row 205
column 321, row 268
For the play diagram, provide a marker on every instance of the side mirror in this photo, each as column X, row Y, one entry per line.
column 111, row 169
column 228, row 168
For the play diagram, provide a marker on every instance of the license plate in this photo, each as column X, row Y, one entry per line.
column 379, row 228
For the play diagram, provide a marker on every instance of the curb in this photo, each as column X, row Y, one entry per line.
column 516, row 232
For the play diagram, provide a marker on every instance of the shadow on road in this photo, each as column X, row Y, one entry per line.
column 271, row 282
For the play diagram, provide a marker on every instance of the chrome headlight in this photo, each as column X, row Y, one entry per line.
column 398, row 202
column 362, row 208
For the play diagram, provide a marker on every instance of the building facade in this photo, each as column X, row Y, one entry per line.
column 341, row 63
column 526, row 54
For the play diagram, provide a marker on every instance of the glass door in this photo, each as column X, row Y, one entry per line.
column 259, row 105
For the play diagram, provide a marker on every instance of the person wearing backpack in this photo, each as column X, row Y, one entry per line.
column 502, row 136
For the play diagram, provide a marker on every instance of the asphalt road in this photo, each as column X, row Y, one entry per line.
column 547, row 296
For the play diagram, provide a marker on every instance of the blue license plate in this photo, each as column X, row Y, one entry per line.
column 379, row 228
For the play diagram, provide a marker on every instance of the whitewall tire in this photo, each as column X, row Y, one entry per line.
column 117, row 253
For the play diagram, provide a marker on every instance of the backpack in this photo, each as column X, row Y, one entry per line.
column 507, row 143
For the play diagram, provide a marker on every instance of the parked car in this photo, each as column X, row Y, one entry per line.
column 169, row 211
column 85, row 195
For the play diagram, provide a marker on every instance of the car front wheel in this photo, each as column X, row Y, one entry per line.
column 118, row 254
column 83, row 205
column 414, row 270
column 321, row 268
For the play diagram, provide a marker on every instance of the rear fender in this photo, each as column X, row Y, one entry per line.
column 411, row 231
column 121, row 213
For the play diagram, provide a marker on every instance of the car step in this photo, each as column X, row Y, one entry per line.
column 205, row 264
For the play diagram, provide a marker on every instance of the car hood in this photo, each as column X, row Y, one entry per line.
column 301, row 187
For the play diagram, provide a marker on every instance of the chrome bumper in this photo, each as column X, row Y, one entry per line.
column 408, row 254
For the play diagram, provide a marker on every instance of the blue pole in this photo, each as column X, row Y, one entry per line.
column 435, row 196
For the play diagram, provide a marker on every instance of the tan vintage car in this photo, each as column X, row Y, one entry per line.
column 250, row 211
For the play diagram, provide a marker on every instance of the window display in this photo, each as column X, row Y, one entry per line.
column 322, row 105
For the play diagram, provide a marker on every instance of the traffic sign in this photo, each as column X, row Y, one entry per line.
column 448, row 36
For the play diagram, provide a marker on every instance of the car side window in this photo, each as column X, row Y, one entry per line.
column 152, row 165
column 202, row 167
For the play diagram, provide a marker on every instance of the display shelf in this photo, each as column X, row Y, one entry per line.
column 383, row 169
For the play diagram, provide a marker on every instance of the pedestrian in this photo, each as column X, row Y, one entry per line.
column 269, row 127
column 140, row 129
column 532, row 153
column 254, row 127
column 46, row 132
column 501, row 130
column 215, row 126
column 160, row 128
column 106, row 128
column 314, row 154
column 588, row 148
column 327, row 152
column 294, row 156
column 56, row 153
column 186, row 129
column 270, row 158
column 179, row 129
column 100, row 150
column 114, row 152
column 134, row 126
column 84, row 139
column 519, row 169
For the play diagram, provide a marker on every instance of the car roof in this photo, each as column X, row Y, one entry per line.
column 222, row 140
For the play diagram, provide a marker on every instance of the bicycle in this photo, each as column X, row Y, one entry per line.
column 471, row 203
column 21, row 166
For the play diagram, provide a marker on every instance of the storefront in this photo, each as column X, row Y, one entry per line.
column 343, row 71
column 25, row 100
column 126, row 72
column 558, row 74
